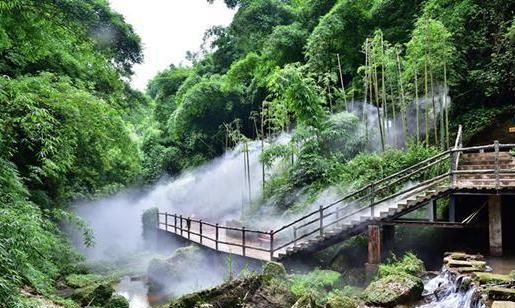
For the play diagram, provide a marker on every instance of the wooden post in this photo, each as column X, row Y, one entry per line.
column 158, row 222
column 321, row 221
column 216, row 237
column 271, row 245
column 495, row 225
column 243, row 240
column 175, row 222
column 200, row 230
column 181, row 223
column 374, row 244
column 497, row 167
column 166, row 221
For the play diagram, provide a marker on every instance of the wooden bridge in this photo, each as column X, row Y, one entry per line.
column 487, row 170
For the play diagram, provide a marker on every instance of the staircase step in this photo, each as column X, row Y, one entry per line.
column 485, row 166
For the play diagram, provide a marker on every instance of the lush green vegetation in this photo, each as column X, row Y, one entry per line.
column 71, row 127
column 66, row 129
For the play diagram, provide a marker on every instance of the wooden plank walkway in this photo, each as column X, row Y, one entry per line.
column 489, row 169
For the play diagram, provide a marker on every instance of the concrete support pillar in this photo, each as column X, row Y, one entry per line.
column 374, row 244
column 452, row 208
column 431, row 210
column 495, row 225
column 388, row 238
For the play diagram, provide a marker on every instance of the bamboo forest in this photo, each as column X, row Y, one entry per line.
column 257, row 153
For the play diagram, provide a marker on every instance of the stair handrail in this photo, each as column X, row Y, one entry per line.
column 458, row 144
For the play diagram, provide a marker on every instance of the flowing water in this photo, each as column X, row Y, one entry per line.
column 448, row 290
column 135, row 291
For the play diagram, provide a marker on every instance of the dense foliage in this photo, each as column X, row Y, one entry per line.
column 68, row 122
column 71, row 127
column 293, row 63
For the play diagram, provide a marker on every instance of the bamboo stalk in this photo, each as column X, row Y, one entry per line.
column 417, row 111
column 403, row 104
column 445, row 104
column 379, row 121
column 341, row 81
column 383, row 90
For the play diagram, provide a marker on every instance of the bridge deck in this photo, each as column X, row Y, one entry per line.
column 486, row 169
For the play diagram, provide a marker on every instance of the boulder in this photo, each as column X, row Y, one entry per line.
column 93, row 295
column 273, row 270
column 337, row 300
column 491, row 278
column 501, row 293
column 165, row 273
column 393, row 290
column 306, row 301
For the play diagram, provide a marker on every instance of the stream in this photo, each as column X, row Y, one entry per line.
column 443, row 291
column 450, row 291
column 135, row 291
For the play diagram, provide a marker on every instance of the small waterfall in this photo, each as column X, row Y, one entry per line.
column 451, row 290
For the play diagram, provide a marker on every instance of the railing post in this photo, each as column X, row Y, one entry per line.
column 158, row 217
column 372, row 200
column 452, row 167
column 216, row 237
column 200, row 230
column 243, row 240
column 321, row 210
column 180, row 217
column 175, row 222
column 294, row 236
column 166, row 221
column 271, row 245
column 497, row 167
column 188, row 226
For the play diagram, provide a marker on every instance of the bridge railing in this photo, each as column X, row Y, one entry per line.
column 441, row 170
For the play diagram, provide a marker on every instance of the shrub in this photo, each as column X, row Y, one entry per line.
column 317, row 283
column 409, row 264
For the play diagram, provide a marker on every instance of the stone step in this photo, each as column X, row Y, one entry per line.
column 485, row 155
column 485, row 167
column 485, row 176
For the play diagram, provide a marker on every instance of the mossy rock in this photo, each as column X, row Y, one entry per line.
column 226, row 295
column 306, row 301
column 163, row 273
column 462, row 256
column 479, row 265
column 501, row 293
column 93, row 295
column 338, row 300
column 394, row 290
column 491, row 278
column 273, row 270
column 81, row 281
column 117, row 301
